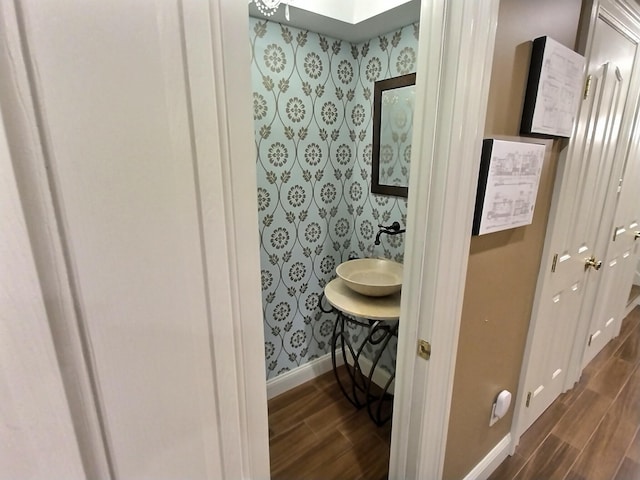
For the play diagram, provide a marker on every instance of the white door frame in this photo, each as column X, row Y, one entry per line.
column 219, row 79
column 453, row 73
column 620, row 13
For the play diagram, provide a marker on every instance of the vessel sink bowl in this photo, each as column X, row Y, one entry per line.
column 373, row 277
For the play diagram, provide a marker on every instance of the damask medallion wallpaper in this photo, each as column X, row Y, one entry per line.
column 312, row 102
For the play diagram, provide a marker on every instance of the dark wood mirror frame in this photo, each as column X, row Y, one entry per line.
column 379, row 87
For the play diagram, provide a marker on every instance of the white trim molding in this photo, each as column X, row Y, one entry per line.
column 453, row 76
column 303, row 373
column 319, row 366
column 219, row 81
column 491, row 461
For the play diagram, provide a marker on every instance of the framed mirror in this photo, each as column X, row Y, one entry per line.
column 393, row 106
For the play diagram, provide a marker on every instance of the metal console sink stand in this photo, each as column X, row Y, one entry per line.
column 379, row 316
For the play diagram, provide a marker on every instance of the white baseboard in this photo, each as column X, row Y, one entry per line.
column 317, row 367
column 492, row 461
column 301, row 374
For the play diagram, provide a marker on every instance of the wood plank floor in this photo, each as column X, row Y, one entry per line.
column 589, row 433
column 315, row 433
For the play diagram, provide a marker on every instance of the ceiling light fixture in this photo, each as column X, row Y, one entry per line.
column 269, row 7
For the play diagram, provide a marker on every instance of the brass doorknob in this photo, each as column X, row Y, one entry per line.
column 592, row 262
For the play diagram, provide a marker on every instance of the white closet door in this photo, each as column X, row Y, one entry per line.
column 38, row 439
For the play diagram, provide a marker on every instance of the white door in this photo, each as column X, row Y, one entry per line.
column 620, row 263
column 38, row 438
column 580, row 225
column 120, row 110
column 618, row 270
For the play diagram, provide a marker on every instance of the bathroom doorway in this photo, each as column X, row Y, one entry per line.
column 192, row 202
column 298, row 246
column 313, row 113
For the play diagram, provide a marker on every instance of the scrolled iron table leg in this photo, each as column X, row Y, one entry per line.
column 377, row 415
column 379, row 333
column 340, row 335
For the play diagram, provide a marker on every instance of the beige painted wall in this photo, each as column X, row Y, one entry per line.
column 503, row 266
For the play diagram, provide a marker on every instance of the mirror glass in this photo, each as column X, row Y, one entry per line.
column 393, row 105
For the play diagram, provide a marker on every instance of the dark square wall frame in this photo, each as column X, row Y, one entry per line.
column 379, row 87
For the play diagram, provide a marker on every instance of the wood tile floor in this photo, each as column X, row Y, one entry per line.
column 588, row 433
column 591, row 432
column 315, row 433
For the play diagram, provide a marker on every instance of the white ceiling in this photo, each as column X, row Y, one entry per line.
column 350, row 20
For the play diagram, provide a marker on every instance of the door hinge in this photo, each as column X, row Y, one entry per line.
column 424, row 349
column 528, row 400
column 554, row 263
column 587, row 87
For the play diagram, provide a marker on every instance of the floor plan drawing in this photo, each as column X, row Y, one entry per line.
column 557, row 72
column 510, row 180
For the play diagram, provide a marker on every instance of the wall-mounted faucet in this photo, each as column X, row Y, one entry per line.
column 393, row 229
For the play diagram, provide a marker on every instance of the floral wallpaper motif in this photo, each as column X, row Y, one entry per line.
column 380, row 58
column 312, row 111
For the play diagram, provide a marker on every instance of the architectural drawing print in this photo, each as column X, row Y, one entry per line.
column 512, row 172
column 560, row 81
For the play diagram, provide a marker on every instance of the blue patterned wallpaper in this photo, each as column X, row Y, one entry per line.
column 313, row 113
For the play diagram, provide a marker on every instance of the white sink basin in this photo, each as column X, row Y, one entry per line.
column 374, row 277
